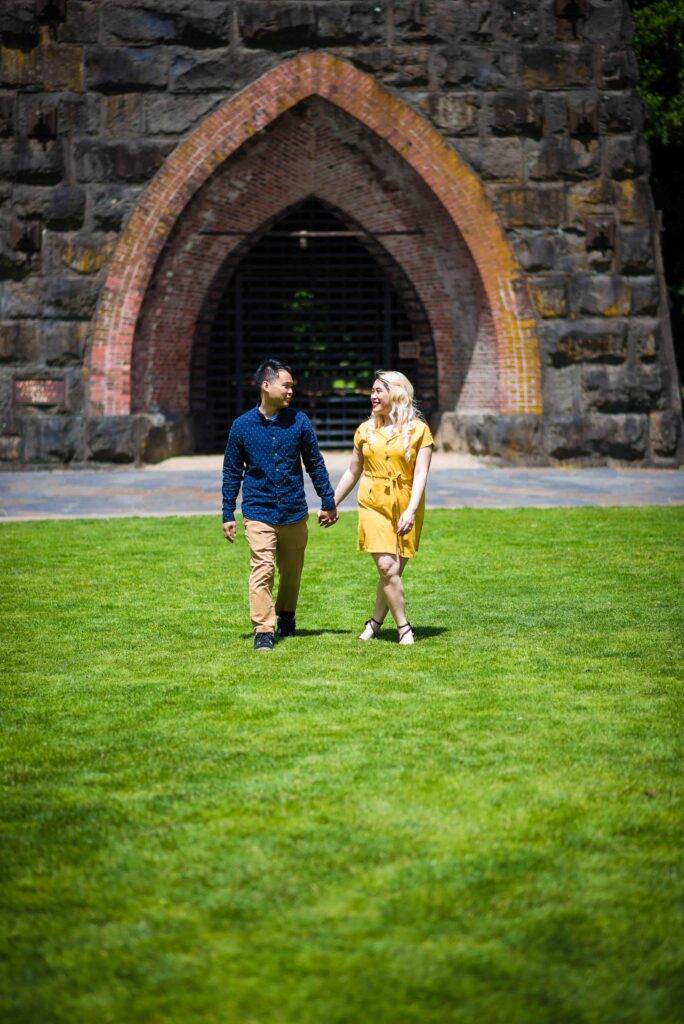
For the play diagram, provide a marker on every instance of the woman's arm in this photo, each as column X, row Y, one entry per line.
column 420, row 474
column 349, row 477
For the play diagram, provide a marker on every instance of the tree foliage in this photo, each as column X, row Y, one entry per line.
column 659, row 46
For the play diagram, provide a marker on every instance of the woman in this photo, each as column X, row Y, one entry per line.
column 392, row 449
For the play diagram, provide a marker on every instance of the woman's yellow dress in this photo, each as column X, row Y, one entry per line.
column 385, row 489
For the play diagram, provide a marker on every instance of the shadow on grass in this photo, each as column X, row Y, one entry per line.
column 388, row 635
column 421, row 632
column 303, row 632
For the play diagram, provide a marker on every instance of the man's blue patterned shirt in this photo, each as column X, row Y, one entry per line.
column 265, row 456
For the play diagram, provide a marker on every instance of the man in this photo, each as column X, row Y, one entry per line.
column 264, row 453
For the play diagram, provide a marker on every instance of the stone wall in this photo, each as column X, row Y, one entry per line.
column 538, row 96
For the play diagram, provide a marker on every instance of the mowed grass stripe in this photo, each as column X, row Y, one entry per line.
column 485, row 826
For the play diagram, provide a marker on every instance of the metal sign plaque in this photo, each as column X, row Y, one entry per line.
column 39, row 392
column 409, row 350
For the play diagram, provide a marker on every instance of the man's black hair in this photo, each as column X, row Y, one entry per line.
column 268, row 369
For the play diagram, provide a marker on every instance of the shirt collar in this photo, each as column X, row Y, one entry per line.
column 266, row 419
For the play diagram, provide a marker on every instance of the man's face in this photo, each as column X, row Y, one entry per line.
column 280, row 390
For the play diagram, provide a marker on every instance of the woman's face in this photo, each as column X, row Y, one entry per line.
column 380, row 398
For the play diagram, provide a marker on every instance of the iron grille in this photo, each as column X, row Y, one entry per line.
column 310, row 293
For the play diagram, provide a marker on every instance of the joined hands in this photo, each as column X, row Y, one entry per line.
column 328, row 517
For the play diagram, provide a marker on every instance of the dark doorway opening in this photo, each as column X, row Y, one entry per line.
column 317, row 292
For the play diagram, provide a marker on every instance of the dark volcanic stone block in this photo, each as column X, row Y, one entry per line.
column 7, row 424
column 515, row 438
column 162, row 435
column 282, row 26
column 6, row 116
column 618, row 69
column 455, row 114
column 70, row 298
column 556, row 67
column 622, row 388
column 122, row 114
column 340, row 24
column 586, row 340
column 550, row 295
column 532, row 207
column 18, row 22
column 562, row 392
column 626, row 157
column 555, row 112
column 557, row 157
column 607, row 22
column 96, row 161
column 520, row 20
column 620, row 114
column 202, row 24
column 78, row 115
column 623, row 437
column 15, row 335
column 535, row 249
column 29, row 161
column 604, row 294
column 81, row 23
column 517, row 112
column 49, row 438
column 474, row 67
column 635, row 250
column 22, row 299
column 63, row 342
column 10, row 448
column 110, row 439
column 617, row 437
column 290, row 25
column 645, row 339
column 645, row 296
column 65, row 207
column 175, row 115
column 15, row 264
column 122, row 70
column 216, row 70
column 399, row 66
column 665, row 433
column 494, row 159
column 112, row 206
column 434, row 21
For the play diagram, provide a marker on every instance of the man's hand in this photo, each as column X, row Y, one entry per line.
column 230, row 530
column 328, row 517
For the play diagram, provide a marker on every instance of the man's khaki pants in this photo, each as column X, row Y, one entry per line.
column 272, row 545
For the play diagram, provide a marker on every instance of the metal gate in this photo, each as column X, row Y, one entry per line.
column 312, row 294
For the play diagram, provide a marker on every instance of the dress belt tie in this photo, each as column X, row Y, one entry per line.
column 394, row 482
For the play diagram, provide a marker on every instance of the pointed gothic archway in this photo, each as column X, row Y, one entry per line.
column 454, row 186
column 332, row 306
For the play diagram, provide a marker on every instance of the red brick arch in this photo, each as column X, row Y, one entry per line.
column 453, row 183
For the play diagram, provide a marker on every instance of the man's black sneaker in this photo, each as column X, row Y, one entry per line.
column 264, row 641
column 286, row 624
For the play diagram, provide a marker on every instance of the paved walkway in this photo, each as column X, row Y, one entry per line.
column 191, row 486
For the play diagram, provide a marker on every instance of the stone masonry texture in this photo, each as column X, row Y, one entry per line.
column 504, row 138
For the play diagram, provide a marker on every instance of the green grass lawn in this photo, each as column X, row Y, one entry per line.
column 482, row 828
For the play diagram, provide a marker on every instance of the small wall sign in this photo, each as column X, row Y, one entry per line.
column 39, row 392
column 409, row 350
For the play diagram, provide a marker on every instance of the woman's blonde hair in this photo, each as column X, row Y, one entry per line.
column 403, row 411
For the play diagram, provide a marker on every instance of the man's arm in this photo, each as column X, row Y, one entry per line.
column 315, row 467
column 233, row 472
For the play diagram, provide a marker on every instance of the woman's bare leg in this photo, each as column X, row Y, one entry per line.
column 390, row 592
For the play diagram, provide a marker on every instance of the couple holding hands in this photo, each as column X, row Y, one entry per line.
column 264, row 454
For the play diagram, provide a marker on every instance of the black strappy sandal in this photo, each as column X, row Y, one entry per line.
column 375, row 627
column 407, row 625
